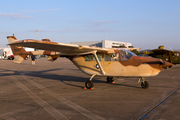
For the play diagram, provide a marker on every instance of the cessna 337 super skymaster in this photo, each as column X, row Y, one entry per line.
column 93, row 61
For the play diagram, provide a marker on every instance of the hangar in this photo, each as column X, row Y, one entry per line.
column 106, row 44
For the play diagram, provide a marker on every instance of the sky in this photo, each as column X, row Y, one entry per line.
column 144, row 23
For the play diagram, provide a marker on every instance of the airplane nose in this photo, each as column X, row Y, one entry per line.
column 167, row 64
column 154, row 61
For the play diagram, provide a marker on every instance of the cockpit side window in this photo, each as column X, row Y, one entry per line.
column 99, row 57
column 126, row 55
column 88, row 58
column 111, row 57
column 107, row 57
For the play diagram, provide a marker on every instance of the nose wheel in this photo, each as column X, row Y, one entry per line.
column 144, row 83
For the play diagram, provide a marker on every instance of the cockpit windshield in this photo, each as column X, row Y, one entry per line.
column 126, row 54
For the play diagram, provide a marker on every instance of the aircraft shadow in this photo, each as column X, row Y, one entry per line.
column 45, row 75
column 62, row 78
column 126, row 85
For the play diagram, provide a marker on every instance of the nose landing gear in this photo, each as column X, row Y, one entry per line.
column 144, row 83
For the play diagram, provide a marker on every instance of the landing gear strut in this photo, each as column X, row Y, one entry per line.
column 144, row 83
column 89, row 84
column 110, row 79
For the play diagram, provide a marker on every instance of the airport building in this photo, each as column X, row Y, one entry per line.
column 105, row 44
column 6, row 51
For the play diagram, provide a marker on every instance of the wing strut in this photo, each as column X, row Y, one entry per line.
column 97, row 60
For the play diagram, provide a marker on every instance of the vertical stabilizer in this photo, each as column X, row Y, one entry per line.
column 18, row 52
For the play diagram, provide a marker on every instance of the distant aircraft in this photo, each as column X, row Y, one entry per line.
column 93, row 61
column 161, row 53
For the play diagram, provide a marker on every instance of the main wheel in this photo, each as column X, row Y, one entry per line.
column 110, row 79
column 89, row 84
column 145, row 85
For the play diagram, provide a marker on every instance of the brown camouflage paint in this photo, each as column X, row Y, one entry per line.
column 134, row 67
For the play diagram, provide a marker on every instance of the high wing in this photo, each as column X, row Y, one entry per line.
column 160, row 51
column 63, row 48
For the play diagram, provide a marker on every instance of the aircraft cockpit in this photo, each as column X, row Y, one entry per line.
column 126, row 55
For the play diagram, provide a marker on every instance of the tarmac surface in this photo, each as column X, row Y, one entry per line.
column 54, row 91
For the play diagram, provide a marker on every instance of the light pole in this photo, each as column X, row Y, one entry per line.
column 36, row 38
column 36, row 33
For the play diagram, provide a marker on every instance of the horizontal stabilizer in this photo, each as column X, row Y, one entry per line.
column 53, row 57
column 18, row 59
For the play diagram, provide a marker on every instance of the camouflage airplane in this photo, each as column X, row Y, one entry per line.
column 93, row 61
column 167, row 55
column 161, row 53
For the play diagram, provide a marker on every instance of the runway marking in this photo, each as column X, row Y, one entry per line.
column 153, row 109
column 12, row 113
column 55, row 113
column 67, row 102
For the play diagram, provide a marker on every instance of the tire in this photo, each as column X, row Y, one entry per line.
column 89, row 84
column 170, row 66
column 145, row 85
column 110, row 79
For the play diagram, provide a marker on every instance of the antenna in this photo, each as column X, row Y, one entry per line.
column 36, row 33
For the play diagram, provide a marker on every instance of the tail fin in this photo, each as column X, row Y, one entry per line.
column 18, row 52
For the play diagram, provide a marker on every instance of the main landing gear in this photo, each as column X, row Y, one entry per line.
column 110, row 79
column 89, row 84
column 144, row 83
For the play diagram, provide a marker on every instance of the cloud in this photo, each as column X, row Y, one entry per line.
column 4, row 32
column 102, row 22
column 14, row 15
column 51, row 31
column 41, row 10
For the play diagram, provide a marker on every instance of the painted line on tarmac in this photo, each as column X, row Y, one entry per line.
column 55, row 113
column 153, row 109
column 5, row 116
column 67, row 102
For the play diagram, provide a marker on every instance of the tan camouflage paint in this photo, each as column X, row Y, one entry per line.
column 134, row 67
